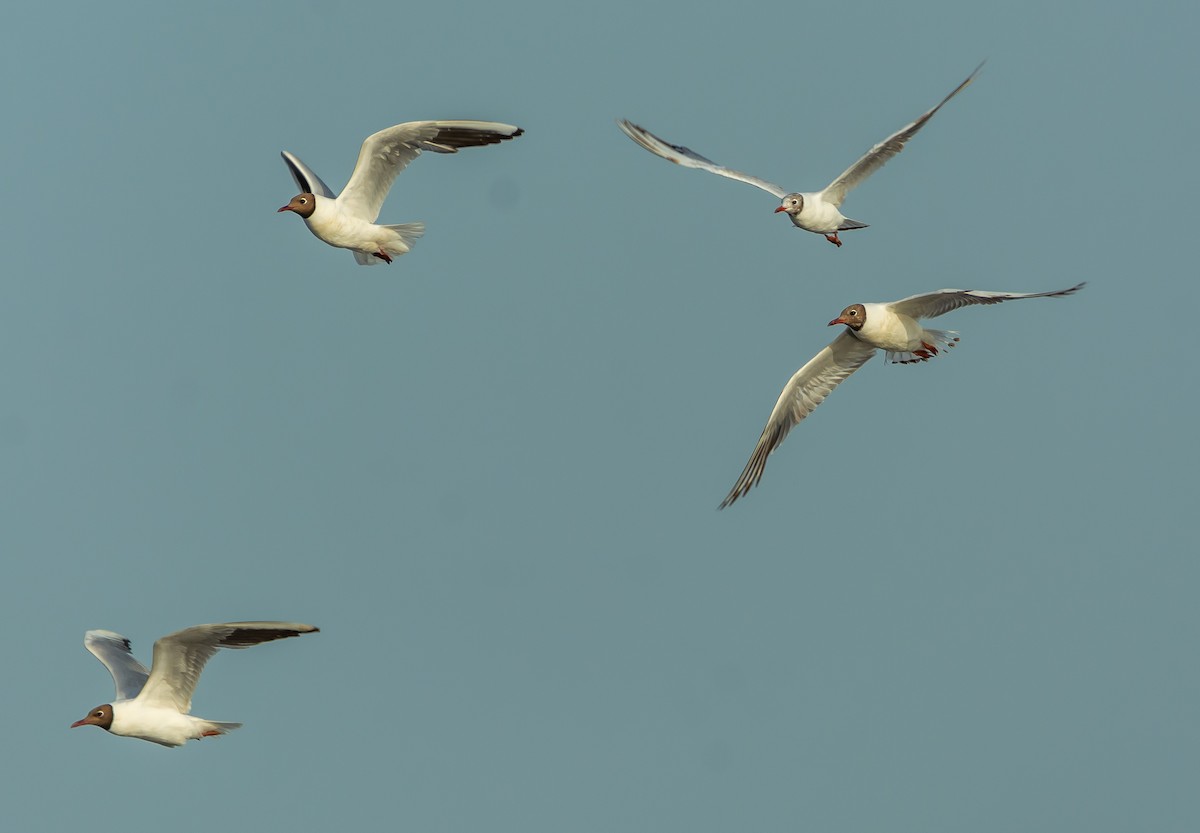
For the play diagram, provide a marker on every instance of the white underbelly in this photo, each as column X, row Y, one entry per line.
column 818, row 216
column 895, row 333
column 158, row 725
column 345, row 233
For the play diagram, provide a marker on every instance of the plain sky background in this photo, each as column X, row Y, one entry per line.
column 962, row 599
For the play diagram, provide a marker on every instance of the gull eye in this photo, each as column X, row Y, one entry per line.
column 303, row 202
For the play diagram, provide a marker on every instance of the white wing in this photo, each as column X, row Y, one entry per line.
column 803, row 393
column 113, row 650
column 307, row 181
column 690, row 159
column 386, row 153
column 875, row 158
column 933, row 304
column 180, row 657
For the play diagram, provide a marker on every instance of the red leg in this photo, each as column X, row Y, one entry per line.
column 833, row 238
column 384, row 256
column 929, row 347
column 211, row 733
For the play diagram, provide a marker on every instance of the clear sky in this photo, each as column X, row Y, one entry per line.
column 962, row 599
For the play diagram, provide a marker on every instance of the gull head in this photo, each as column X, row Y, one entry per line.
column 853, row 316
column 793, row 204
column 302, row 204
column 101, row 716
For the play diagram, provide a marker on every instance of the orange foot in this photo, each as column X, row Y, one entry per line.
column 384, row 256
column 833, row 238
column 933, row 350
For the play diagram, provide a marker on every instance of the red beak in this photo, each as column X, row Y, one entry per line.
column 780, row 208
column 79, row 723
column 285, row 208
column 838, row 320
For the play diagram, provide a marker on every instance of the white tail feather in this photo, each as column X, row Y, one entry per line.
column 404, row 236
column 935, row 338
column 219, row 728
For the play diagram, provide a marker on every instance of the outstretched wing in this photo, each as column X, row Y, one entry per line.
column 803, row 393
column 113, row 650
column 876, row 157
column 180, row 657
column 690, row 159
column 386, row 153
column 933, row 304
column 307, row 181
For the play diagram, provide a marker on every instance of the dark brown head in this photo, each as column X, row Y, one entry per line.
column 853, row 316
column 100, row 716
column 302, row 204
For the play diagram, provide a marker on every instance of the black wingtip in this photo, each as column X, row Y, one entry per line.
column 301, row 179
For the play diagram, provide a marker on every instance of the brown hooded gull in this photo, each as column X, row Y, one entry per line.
column 815, row 211
column 153, row 705
column 348, row 220
column 893, row 328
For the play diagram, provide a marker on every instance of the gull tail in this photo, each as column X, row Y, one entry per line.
column 934, row 342
column 850, row 225
column 211, row 728
column 402, row 237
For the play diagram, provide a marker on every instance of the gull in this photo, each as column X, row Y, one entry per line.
column 893, row 328
column 815, row 211
column 153, row 705
column 348, row 221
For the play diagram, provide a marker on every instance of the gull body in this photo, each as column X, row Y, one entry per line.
column 154, row 704
column 347, row 221
column 164, row 726
column 815, row 211
column 894, row 328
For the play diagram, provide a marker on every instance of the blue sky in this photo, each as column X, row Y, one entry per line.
column 961, row 599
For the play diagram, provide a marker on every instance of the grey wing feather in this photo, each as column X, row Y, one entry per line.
column 385, row 154
column 933, row 304
column 876, row 157
column 180, row 657
column 306, row 180
column 114, row 651
column 807, row 389
column 690, row 159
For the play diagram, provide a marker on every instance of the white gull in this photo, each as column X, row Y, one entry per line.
column 893, row 328
column 153, row 705
column 815, row 211
column 348, row 220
